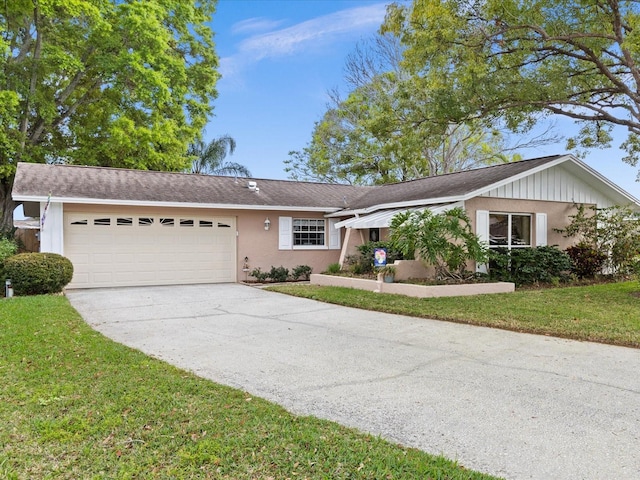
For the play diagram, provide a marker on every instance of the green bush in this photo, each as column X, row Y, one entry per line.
column 612, row 231
column 527, row 266
column 587, row 261
column 301, row 271
column 445, row 240
column 279, row 274
column 333, row 268
column 38, row 273
column 363, row 262
column 8, row 248
column 259, row 275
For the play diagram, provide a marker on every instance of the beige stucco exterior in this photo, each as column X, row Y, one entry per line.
column 558, row 217
column 262, row 247
column 558, row 214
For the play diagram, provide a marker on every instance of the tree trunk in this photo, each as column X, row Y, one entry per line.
column 7, row 206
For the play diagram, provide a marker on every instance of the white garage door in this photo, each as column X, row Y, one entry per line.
column 127, row 250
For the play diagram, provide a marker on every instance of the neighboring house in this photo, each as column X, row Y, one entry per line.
column 131, row 227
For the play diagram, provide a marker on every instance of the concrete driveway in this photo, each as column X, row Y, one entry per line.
column 513, row 405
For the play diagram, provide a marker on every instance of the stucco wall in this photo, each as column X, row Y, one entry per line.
column 253, row 241
column 557, row 214
column 261, row 246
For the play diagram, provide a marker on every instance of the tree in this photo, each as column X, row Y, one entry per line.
column 103, row 82
column 511, row 59
column 444, row 241
column 209, row 158
column 381, row 132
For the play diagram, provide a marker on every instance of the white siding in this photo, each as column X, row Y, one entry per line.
column 555, row 184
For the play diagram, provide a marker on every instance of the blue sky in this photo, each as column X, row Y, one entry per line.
column 278, row 60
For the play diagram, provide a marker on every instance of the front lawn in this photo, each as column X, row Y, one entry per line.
column 74, row 404
column 607, row 313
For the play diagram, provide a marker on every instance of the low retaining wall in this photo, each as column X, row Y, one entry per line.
column 411, row 290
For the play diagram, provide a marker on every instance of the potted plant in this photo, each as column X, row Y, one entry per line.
column 388, row 273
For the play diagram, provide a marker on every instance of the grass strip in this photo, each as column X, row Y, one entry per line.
column 606, row 313
column 74, row 404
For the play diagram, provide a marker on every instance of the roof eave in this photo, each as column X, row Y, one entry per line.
column 607, row 182
column 138, row 203
column 407, row 204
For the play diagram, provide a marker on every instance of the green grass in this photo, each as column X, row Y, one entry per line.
column 607, row 313
column 74, row 404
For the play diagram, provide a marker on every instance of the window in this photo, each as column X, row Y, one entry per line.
column 124, row 221
column 205, row 224
column 308, row 232
column 103, row 222
column 79, row 222
column 145, row 221
column 186, row 222
column 167, row 222
column 509, row 230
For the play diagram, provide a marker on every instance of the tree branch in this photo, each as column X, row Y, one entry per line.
column 33, row 81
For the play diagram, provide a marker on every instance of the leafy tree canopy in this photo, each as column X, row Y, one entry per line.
column 383, row 132
column 510, row 59
column 122, row 83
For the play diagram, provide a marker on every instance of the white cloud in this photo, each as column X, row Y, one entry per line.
column 255, row 24
column 320, row 31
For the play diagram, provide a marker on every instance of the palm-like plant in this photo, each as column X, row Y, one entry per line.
column 209, row 159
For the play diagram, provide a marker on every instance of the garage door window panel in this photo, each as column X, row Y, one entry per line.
column 102, row 222
column 145, row 221
column 124, row 221
column 167, row 222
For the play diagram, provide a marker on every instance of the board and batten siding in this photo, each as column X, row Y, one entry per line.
column 554, row 184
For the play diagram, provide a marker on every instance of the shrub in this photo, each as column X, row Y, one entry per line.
column 363, row 263
column 526, row 266
column 279, row 274
column 8, row 248
column 443, row 240
column 333, row 268
column 613, row 231
column 38, row 273
column 259, row 275
column 301, row 271
column 587, row 261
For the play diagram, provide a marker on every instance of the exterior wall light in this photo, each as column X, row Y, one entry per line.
column 267, row 224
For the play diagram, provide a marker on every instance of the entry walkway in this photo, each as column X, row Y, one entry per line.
column 513, row 405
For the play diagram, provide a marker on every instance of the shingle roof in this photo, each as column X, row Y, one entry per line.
column 449, row 185
column 116, row 184
column 78, row 182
